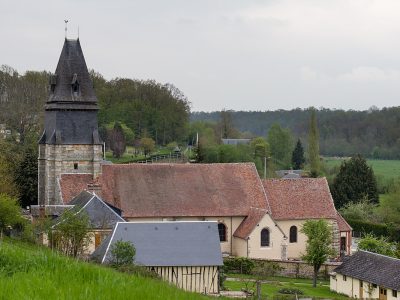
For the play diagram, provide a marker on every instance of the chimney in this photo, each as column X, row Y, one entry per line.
column 95, row 187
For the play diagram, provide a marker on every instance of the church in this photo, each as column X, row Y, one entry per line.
column 256, row 218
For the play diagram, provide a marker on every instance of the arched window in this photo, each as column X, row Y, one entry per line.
column 293, row 234
column 265, row 237
column 222, row 232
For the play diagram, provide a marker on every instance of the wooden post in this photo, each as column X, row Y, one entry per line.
column 258, row 289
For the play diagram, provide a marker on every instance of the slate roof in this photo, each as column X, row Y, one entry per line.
column 174, row 190
column 373, row 268
column 167, row 243
column 72, row 64
column 303, row 198
column 71, row 118
column 101, row 216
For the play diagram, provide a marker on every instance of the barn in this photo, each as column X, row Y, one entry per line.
column 186, row 254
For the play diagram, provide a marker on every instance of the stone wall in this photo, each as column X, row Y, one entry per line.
column 55, row 160
column 300, row 269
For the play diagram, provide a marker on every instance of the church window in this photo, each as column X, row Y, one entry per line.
column 265, row 237
column 75, row 166
column 222, row 232
column 293, row 234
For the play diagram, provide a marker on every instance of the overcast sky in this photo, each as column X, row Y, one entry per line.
column 241, row 55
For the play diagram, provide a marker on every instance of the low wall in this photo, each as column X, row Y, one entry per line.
column 297, row 269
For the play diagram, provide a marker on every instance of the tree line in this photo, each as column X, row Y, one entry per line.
column 373, row 133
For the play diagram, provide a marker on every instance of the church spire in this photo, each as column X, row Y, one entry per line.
column 71, row 109
column 71, row 86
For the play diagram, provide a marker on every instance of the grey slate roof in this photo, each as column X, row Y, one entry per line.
column 235, row 141
column 167, row 243
column 71, row 65
column 101, row 215
column 373, row 268
column 282, row 173
column 71, row 118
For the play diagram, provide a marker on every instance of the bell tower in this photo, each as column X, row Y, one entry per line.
column 70, row 141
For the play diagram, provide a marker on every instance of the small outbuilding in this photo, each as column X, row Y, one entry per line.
column 367, row 275
column 102, row 216
column 186, row 254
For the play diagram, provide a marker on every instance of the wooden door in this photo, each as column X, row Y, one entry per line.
column 97, row 240
column 382, row 293
column 361, row 289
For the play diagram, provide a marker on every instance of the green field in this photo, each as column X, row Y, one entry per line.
column 270, row 289
column 382, row 168
column 32, row 272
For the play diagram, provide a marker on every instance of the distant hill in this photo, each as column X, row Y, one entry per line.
column 374, row 133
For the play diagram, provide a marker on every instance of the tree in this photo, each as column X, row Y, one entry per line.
column 71, row 235
column 377, row 245
column 313, row 145
column 10, row 212
column 122, row 253
column 280, row 143
column 26, row 178
column 225, row 125
column 117, row 140
column 298, row 159
column 355, row 182
column 148, row 145
column 260, row 147
column 319, row 244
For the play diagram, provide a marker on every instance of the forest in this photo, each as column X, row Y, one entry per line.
column 373, row 133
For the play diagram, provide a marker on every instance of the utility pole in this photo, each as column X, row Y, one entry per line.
column 265, row 167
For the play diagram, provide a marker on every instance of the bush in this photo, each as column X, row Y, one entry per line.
column 241, row 265
column 122, row 253
column 137, row 271
column 289, row 291
column 368, row 227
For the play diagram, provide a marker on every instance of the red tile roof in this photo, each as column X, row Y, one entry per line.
column 249, row 223
column 342, row 224
column 303, row 198
column 73, row 184
column 173, row 190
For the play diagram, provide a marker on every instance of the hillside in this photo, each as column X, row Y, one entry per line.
column 31, row 272
column 373, row 133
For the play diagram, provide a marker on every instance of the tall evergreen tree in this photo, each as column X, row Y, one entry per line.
column 26, row 178
column 117, row 140
column 355, row 182
column 281, row 144
column 298, row 159
column 313, row 145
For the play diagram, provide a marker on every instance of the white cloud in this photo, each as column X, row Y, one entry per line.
column 370, row 74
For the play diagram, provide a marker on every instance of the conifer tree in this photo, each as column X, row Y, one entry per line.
column 354, row 183
column 298, row 156
column 313, row 145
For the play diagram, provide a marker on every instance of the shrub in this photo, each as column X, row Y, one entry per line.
column 241, row 265
column 122, row 253
column 290, row 291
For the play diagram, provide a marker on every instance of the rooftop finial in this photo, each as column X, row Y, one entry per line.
column 78, row 32
column 66, row 22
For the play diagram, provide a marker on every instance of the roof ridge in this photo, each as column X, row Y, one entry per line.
column 378, row 254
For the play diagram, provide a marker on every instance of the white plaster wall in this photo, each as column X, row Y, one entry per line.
column 295, row 250
column 276, row 239
column 351, row 288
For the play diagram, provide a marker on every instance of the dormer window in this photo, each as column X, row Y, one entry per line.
column 53, row 82
column 75, row 85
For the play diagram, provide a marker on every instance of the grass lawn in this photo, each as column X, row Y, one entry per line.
column 32, row 272
column 270, row 290
column 385, row 168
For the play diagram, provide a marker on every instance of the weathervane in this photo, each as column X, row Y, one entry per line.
column 66, row 22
